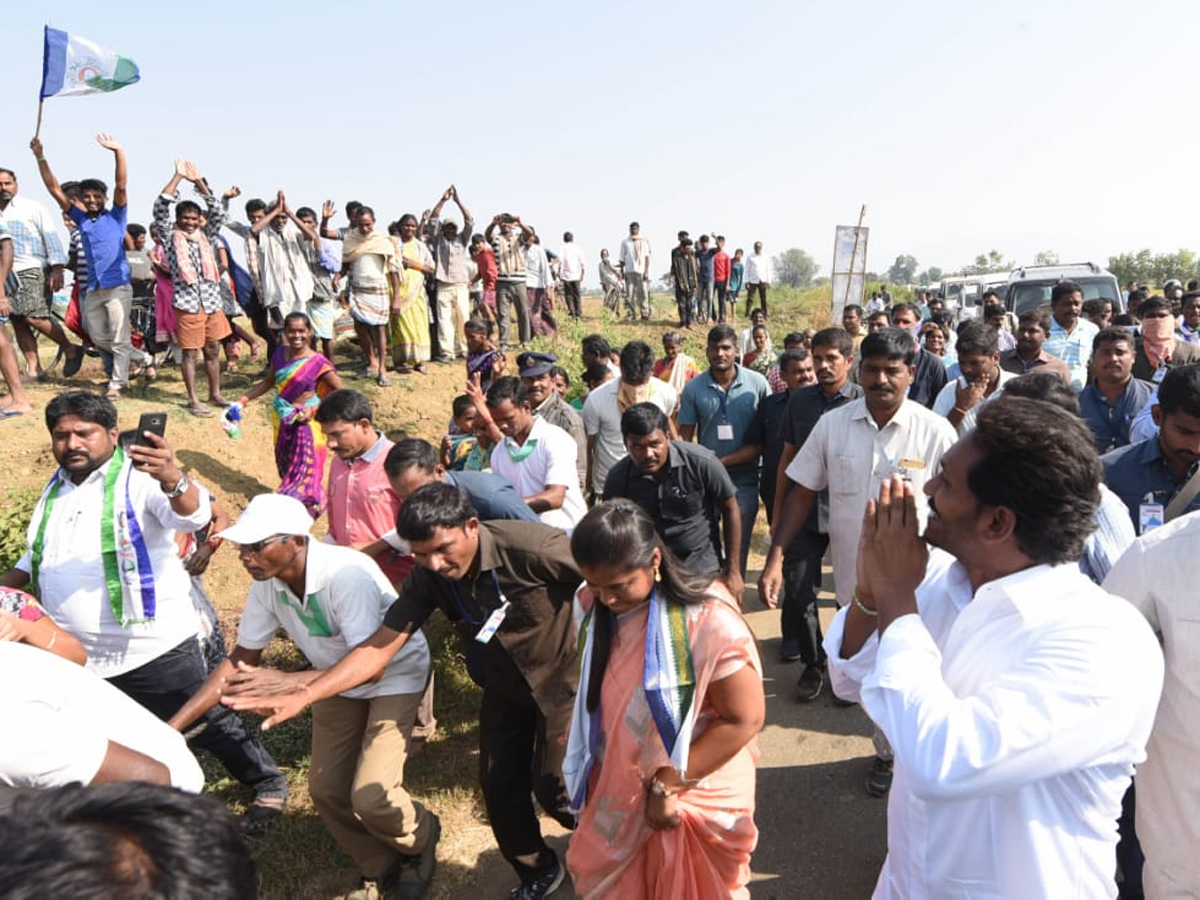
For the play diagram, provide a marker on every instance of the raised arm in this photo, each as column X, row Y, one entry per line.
column 468, row 219
column 180, row 174
column 120, row 196
column 48, row 179
column 275, row 212
column 327, row 211
column 436, row 212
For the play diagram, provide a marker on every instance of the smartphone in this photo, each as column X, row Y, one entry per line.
column 152, row 421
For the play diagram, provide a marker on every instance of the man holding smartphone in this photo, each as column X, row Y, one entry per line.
column 101, row 556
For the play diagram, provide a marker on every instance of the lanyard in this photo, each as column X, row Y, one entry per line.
column 462, row 606
column 723, row 397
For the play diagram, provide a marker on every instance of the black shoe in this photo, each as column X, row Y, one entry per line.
column 409, row 876
column 808, row 688
column 879, row 779
column 73, row 363
column 542, row 885
column 789, row 650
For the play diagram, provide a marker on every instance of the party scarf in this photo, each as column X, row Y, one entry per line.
column 518, row 452
column 668, row 681
column 128, row 575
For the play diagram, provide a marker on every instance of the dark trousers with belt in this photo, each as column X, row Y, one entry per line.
column 801, row 578
column 521, row 750
column 164, row 684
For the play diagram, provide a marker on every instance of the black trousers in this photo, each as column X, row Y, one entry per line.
column 801, row 578
column 164, row 684
column 571, row 296
column 521, row 750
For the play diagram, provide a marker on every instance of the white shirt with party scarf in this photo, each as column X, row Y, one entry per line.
column 73, row 588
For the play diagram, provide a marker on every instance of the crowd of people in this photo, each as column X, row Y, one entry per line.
column 1005, row 504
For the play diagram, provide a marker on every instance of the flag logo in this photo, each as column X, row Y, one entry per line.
column 74, row 65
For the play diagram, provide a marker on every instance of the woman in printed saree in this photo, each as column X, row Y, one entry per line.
column 301, row 378
column 660, row 761
column 410, row 309
column 760, row 358
column 370, row 260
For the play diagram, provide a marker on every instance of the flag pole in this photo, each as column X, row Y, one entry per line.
column 37, row 132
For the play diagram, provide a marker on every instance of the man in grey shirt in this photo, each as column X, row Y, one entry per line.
column 453, row 297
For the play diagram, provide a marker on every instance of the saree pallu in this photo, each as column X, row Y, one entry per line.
column 613, row 852
column 299, row 446
column 410, row 326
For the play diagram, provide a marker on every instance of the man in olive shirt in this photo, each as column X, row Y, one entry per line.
column 508, row 587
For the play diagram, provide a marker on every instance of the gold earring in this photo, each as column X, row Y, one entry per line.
column 657, row 574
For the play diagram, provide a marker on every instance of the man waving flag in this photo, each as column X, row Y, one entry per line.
column 75, row 65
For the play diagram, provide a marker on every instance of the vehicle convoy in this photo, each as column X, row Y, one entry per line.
column 1029, row 287
column 962, row 293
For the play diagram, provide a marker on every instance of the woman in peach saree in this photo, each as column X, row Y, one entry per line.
column 660, row 761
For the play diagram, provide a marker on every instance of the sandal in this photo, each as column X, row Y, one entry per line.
column 382, row 381
column 202, row 412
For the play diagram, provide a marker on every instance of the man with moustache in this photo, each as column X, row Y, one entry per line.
column 1033, row 327
column 1153, row 476
column 850, row 452
column 800, row 626
column 1113, row 397
column 534, row 369
column 929, row 372
column 1071, row 336
column 327, row 599
column 102, row 559
column 510, row 586
column 684, row 488
column 988, row 664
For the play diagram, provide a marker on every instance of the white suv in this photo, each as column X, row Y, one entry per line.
column 1029, row 287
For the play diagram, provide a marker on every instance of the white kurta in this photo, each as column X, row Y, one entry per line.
column 1016, row 717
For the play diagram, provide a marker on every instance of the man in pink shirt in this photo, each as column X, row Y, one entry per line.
column 362, row 506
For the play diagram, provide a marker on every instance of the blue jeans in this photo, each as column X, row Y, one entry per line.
column 164, row 684
column 747, row 501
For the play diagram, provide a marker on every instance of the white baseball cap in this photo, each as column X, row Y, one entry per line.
column 268, row 515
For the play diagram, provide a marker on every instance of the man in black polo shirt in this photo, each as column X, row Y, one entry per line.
column 682, row 487
column 930, row 375
column 508, row 586
column 833, row 355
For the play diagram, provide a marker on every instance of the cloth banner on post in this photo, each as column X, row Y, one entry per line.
column 849, row 267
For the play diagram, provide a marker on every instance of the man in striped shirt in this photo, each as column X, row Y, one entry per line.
column 510, row 278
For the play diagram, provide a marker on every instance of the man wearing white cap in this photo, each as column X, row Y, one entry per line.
column 329, row 599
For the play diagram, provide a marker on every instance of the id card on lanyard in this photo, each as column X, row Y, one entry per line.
column 493, row 622
column 724, row 427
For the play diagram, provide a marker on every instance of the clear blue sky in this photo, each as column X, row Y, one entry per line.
column 1024, row 126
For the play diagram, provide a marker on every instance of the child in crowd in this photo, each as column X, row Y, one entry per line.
column 460, row 441
column 483, row 358
column 485, row 273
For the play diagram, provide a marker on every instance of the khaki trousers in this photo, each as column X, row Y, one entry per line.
column 357, row 776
